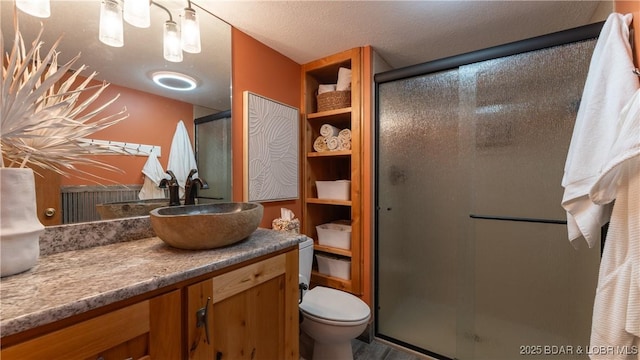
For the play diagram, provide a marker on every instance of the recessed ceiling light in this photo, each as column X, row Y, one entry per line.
column 174, row 80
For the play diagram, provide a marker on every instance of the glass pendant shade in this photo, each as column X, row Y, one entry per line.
column 111, row 27
column 137, row 13
column 172, row 46
column 37, row 8
column 190, row 31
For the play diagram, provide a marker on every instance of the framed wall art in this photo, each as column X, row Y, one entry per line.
column 271, row 148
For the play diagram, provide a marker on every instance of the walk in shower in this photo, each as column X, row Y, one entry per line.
column 472, row 256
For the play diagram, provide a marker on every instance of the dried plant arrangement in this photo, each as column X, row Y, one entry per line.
column 43, row 120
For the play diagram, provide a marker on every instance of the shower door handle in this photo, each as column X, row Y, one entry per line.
column 519, row 219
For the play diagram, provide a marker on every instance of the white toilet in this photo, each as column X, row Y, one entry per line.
column 332, row 318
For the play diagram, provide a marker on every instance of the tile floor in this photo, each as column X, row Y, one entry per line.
column 377, row 350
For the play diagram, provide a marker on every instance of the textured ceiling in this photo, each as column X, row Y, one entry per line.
column 402, row 32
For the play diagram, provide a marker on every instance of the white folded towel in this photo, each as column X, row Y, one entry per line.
column 326, row 88
column 344, row 144
column 181, row 157
column 320, row 144
column 609, row 86
column 345, row 134
column 153, row 174
column 329, row 130
column 344, row 79
column 332, row 142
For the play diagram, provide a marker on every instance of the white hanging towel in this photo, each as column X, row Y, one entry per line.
column 609, row 86
column 181, row 158
column 153, row 173
column 616, row 310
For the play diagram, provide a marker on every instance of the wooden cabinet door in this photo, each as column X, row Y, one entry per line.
column 200, row 321
column 149, row 329
column 255, row 310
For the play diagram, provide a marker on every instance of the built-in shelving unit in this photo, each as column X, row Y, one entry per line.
column 333, row 165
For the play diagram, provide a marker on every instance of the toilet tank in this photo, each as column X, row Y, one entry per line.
column 305, row 260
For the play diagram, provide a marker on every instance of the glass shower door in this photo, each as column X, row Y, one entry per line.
column 473, row 260
column 531, row 287
column 421, row 201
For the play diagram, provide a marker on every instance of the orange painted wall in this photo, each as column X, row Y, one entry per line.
column 152, row 120
column 261, row 70
column 625, row 7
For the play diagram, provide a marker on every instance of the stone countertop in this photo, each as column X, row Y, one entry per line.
column 72, row 282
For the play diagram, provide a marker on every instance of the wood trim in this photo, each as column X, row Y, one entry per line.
column 335, row 165
column 291, row 313
column 237, row 281
column 245, row 146
column 47, row 183
column 165, row 335
column 87, row 338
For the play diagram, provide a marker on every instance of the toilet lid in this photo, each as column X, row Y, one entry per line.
column 332, row 304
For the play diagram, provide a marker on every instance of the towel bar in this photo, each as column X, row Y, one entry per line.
column 519, row 219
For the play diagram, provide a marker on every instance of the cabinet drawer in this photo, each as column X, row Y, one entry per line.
column 237, row 281
column 87, row 338
column 147, row 329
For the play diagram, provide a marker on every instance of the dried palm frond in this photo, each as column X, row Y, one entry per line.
column 42, row 120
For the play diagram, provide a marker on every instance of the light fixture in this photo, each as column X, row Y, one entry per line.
column 172, row 47
column 171, row 43
column 190, row 30
column 137, row 13
column 174, row 80
column 111, row 27
column 37, row 8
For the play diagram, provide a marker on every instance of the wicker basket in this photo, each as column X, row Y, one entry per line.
column 334, row 100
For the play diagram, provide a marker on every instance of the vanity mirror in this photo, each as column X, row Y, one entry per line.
column 133, row 65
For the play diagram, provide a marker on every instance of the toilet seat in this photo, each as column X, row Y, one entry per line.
column 334, row 307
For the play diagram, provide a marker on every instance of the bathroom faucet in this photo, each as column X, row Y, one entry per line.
column 190, row 187
column 174, row 188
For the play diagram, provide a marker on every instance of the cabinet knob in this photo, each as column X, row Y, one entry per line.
column 49, row 212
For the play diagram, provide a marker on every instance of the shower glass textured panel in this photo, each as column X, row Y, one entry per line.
column 213, row 149
column 530, row 283
column 419, row 199
column 523, row 110
column 532, row 288
column 485, row 139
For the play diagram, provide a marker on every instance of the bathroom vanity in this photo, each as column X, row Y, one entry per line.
column 142, row 299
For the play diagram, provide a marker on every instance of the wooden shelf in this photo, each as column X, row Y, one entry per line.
column 330, row 281
column 329, row 202
column 332, row 250
column 313, row 154
column 333, row 165
column 344, row 112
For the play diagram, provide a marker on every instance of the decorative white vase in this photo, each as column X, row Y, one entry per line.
column 20, row 228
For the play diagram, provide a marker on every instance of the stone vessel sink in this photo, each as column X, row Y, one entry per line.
column 123, row 209
column 206, row 226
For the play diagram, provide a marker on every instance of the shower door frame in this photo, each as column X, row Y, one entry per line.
column 578, row 34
